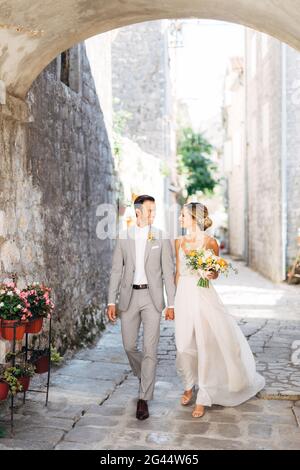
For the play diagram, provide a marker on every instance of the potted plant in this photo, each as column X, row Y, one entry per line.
column 9, row 376
column 25, row 373
column 14, row 311
column 18, row 377
column 4, row 388
column 56, row 358
column 40, row 360
column 40, row 305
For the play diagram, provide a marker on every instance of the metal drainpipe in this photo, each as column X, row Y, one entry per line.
column 283, row 160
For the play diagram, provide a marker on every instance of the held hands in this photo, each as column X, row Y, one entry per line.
column 111, row 313
column 170, row 315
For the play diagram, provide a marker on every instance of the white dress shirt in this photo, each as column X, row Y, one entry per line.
column 141, row 237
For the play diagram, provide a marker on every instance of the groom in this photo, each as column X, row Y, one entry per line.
column 142, row 262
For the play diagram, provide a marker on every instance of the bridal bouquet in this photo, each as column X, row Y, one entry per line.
column 202, row 261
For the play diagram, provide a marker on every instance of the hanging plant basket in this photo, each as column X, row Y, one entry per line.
column 4, row 389
column 42, row 364
column 34, row 326
column 24, row 381
column 7, row 330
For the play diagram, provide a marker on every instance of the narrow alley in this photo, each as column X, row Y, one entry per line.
column 93, row 396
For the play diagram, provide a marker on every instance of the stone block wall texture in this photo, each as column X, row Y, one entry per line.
column 141, row 87
column 293, row 150
column 234, row 158
column 56, row 169
column 263, row 95
column 273, row 125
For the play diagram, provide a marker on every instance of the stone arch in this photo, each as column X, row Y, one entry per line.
column 31, row 36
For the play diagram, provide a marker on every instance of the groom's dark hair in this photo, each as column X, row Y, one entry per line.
column 141, row 199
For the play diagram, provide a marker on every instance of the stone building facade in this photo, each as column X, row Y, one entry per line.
column 141, row 86
column 142, row 91
column 269, row 154
column 56, row 169
column 234, row 155
column 291, row 140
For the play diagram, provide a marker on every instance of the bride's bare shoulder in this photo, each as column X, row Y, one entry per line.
column 213, row 244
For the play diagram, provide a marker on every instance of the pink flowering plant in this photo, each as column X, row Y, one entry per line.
column 13, row 305
column 38, row 297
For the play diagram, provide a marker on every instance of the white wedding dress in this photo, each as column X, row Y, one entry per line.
column 212, row 352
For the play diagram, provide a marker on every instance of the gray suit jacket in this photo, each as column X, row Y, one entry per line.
column 159, row 269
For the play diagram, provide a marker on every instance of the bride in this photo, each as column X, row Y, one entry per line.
column 212, row 352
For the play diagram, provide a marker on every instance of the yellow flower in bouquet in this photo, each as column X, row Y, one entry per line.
column 202, row 261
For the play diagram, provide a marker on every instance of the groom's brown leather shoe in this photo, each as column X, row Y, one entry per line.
column 142, row 411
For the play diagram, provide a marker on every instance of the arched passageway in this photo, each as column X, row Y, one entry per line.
column 31, row 36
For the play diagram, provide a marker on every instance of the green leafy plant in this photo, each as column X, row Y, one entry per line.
column 56, row 358
column 10, row 355
column 20, row 370
column 2, row 370
column 26, row 370
column 38, row 353
column 9, row 376
column 194, row 162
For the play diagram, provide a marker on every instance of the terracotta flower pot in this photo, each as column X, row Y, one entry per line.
column 42, row 365
column 7, row 330
column 24, row 381
column 4, row 389
column 34, row 326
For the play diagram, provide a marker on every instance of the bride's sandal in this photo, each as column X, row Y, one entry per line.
column 187, row 397
column 198, row 411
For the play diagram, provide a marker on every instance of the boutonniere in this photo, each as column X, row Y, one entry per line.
column 151, row 236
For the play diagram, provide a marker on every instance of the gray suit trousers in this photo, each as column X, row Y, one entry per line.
column 143, row 363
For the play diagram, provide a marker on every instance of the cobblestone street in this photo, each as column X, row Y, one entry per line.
column 93, row 396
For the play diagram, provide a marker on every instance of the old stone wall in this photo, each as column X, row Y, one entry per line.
column 234, row 155
column 292, row 150
column 264, row 126
column 141, row 88
column 56, row 170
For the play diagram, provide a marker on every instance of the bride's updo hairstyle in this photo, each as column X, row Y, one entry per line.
column 199, row 213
